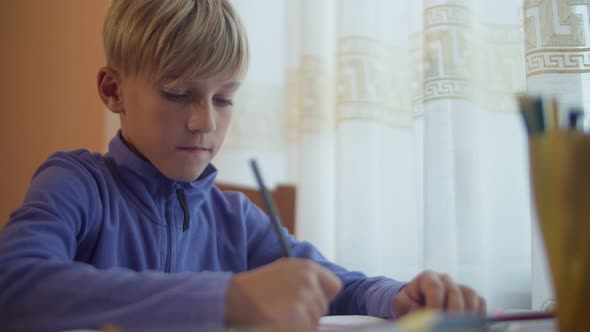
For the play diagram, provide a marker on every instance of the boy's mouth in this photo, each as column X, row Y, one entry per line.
column 194, row 149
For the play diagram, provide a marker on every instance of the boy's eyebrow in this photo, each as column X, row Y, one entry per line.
column 231, row 84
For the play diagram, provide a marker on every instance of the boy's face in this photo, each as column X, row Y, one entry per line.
column 180, row 129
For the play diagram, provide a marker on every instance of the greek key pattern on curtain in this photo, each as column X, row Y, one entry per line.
column 373, row 74
column 556, row 37
column 448, row 33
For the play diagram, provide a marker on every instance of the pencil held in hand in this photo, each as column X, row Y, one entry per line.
column 271, row 209
column 289, row 294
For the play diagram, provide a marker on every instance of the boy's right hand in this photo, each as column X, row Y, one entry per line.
column 288, row 293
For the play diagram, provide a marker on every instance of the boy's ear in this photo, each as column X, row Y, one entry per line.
column 109, row 89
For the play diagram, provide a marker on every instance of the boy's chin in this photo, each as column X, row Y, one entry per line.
column 186, row 176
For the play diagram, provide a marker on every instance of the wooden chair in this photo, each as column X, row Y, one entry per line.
column 283, row 196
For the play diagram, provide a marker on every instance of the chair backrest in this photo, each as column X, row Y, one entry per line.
column 284, row 197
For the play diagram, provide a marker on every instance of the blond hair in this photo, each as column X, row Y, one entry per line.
column 175, row 40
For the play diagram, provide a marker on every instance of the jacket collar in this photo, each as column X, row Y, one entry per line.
column 149, row 176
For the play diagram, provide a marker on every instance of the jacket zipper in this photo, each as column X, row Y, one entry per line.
column 170, row 225
column 182, row 200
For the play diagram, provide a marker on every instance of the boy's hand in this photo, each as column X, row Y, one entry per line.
column 287, row 293
column 437, row 291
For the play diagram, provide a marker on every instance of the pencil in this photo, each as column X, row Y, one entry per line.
column 554, row 114
column 524, row 112
column 539, row 115
column 272, row 211
column 533, row 315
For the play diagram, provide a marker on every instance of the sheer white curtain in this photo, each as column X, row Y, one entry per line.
column 397, row 122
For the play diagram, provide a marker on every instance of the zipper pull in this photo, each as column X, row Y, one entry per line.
column 184, row 205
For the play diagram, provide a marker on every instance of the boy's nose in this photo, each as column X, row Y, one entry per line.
column 202, row 117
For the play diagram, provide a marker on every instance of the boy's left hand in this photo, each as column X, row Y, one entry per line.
column 437, row 291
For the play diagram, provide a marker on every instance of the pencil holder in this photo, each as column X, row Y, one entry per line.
column 560, row 177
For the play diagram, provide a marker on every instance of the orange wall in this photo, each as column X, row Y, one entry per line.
column 49, row 55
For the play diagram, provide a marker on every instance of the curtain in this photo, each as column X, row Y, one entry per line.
column 397, row 122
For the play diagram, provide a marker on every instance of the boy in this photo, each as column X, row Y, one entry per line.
column 141, row 237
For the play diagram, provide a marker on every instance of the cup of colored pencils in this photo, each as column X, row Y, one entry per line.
column 559, row 155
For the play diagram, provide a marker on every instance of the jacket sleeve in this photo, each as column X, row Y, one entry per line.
column 43, row 288
column 360, row 294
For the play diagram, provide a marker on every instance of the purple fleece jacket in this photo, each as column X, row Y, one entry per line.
column 108, row 239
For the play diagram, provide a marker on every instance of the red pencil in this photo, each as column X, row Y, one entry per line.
column 531, row 315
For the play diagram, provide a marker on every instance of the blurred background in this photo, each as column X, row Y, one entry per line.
column 396, row 121
column 50, row 54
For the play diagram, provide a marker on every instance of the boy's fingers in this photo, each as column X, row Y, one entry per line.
column 317, row 304
column 482, row 305
column 306, row 318
column 330, row 283
column 431, row 288
column 403, row 304
column 470, row 299
column 440, row 292
column 454, row 301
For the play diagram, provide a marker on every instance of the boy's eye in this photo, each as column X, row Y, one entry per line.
column 175, row 96
column 223, row 101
